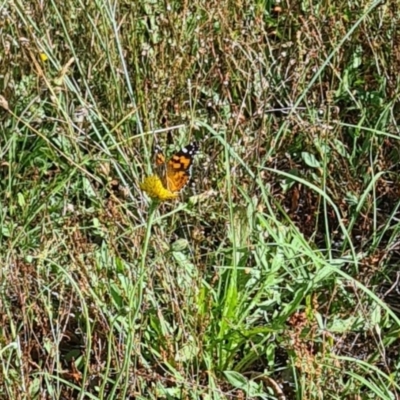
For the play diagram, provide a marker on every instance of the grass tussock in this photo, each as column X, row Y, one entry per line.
column 276, row 277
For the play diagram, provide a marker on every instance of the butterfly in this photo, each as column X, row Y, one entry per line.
column 176, row 172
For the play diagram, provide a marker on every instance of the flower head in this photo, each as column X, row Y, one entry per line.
column 153, row 186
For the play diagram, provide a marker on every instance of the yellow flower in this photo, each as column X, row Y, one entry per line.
column 153, row 186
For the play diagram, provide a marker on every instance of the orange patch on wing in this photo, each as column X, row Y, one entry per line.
column 180, row 162
column 177, row 181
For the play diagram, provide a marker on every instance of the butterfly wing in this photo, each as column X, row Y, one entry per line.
column 178, row 170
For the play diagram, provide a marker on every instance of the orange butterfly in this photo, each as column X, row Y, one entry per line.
column 175, row 174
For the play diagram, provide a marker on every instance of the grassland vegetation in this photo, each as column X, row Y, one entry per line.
column 275, row 275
